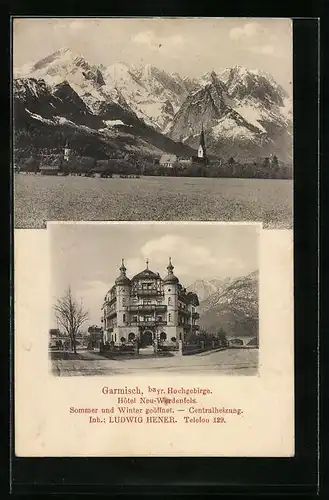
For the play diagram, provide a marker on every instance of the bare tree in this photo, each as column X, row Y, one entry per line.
column 70, row 315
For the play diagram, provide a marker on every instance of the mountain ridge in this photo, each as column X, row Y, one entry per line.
column 46, row 116
column 232, row 305
column 236, row 120
column 245, row 113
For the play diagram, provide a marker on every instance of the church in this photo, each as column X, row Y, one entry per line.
column 148, row 308
column 201, row 157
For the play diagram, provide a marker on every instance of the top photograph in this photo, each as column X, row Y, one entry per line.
column 160, row 119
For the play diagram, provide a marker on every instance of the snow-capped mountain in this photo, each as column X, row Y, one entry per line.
column 46, row 115
column 153, row 94
column 244, row 114
column 233, row 308
column 85, row 79
column 46, row 91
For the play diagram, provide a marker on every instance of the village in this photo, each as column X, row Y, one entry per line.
column 67, row 162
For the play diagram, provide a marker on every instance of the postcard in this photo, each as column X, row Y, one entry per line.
column 153, row 192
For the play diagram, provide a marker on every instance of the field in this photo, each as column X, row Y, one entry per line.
column 38, row 199
column 227, row 362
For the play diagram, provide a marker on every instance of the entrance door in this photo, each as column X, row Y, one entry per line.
column 146, row 338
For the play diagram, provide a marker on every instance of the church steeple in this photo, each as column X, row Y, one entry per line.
column 202, row 146
column 67, row 151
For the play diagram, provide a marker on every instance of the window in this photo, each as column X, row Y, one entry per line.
column 169, row 317
column 169, row 301
column 135, row 319
column 148, row 319
column 169, row 289
column 123, row 301
column 131, row 336
column 124, row 318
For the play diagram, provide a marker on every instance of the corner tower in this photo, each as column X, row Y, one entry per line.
column 170, row 288
column 122, row 285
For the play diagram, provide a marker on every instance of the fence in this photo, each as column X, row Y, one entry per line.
column 202, row 346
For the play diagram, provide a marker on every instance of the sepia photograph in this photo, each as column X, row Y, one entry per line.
column 130, row 298
column 152, row 119
column 153, row 202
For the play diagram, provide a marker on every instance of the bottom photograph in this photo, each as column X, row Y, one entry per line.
column 127, row 298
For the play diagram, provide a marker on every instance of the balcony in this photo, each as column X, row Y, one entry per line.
column 140, row 292
column 148, row 307
column 111, row 314
column 190, row 327
column 185, row 312
column 151, row 324
column 111, row 301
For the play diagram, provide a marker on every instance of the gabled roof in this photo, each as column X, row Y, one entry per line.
column 168, row 158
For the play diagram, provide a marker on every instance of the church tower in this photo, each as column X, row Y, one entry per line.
column 67, row 152
column 202, row 147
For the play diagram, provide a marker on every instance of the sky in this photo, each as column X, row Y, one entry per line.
column 188, row 46
column 87, row 257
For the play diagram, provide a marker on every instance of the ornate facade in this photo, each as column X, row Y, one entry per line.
column 148, row 308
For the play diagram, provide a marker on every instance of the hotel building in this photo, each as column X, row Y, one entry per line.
column 148, row 308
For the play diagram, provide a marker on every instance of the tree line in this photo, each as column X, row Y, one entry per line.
column 133, row 165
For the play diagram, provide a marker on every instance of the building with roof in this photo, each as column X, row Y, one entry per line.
column 49, row 169
column 149, row 308
column 168, row 160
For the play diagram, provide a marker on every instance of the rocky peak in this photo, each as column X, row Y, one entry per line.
column 242, row 83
